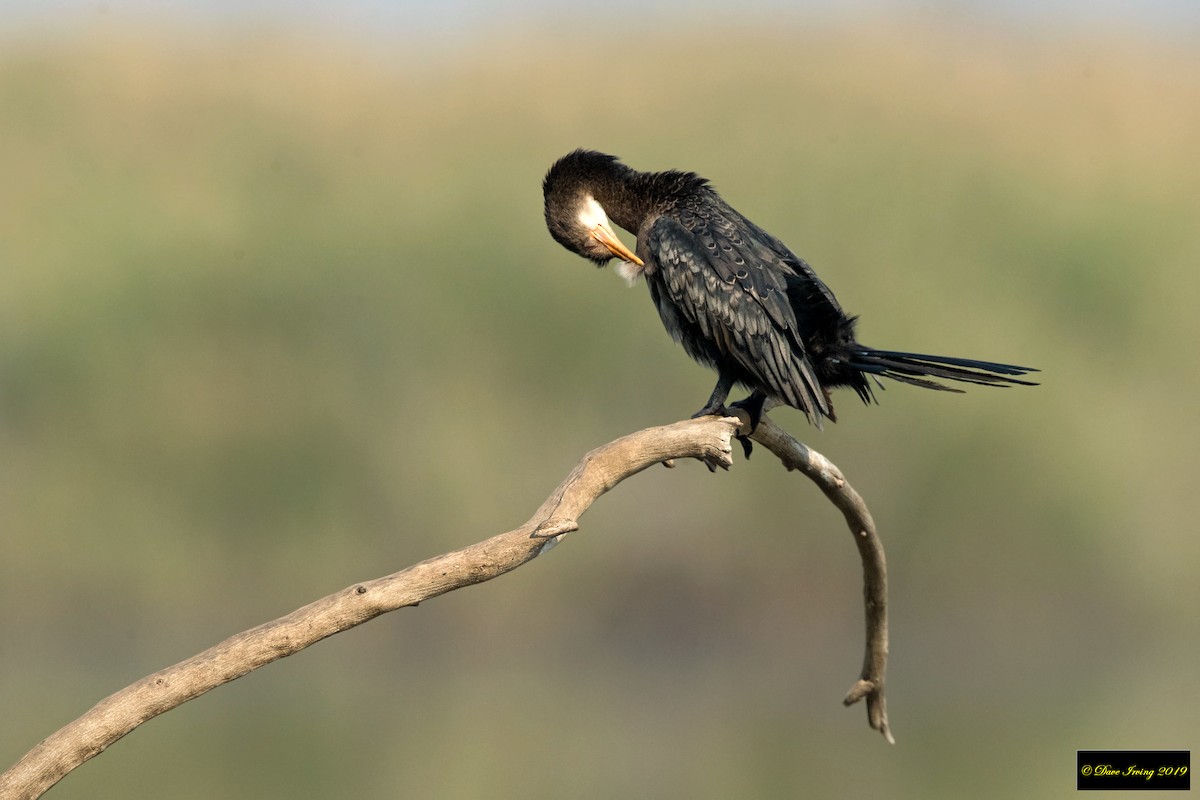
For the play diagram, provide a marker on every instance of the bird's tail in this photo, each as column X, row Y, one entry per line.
column 918, row 369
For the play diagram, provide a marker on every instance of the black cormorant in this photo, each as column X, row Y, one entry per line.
column 733, row 295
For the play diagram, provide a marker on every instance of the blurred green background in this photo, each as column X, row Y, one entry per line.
column 278, row 312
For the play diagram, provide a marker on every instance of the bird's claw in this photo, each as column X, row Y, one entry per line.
column 751, row 407
column 747, row 445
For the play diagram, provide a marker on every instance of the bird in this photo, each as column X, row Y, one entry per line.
column 734, row 296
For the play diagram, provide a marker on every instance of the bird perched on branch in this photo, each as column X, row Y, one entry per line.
column 733, row 295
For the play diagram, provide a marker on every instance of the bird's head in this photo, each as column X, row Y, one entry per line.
column 575, row 217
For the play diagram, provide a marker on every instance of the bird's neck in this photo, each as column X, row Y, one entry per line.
column 630, row 198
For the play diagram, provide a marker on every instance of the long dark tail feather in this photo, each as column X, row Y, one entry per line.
column 915, row 369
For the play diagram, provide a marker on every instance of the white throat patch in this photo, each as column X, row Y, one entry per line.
column 592, row 213
column 592, row 216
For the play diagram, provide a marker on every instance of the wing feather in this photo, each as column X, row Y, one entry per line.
column 734, row 292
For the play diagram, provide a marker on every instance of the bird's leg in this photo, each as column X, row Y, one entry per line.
column 716, row 401
column 753, row 406
column 716, row 405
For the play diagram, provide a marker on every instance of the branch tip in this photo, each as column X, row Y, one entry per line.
column 823, row 472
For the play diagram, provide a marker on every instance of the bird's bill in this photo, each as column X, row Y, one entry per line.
column 605, row 236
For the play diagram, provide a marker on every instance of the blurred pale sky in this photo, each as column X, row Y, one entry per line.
column 374, row 18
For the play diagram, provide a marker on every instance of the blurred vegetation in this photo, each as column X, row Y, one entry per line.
column 278, row 315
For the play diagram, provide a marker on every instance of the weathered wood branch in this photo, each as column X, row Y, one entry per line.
column 798, row 456
column 706, row 439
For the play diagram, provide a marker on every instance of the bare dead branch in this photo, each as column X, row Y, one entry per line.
column 706, row 439
column 797, row 456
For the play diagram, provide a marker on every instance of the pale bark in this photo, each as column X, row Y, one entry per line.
column 706, row 439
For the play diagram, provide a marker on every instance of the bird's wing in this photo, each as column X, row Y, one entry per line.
column 802, row 279
column 736, row 294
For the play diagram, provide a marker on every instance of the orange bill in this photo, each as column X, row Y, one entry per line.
column 605, row 236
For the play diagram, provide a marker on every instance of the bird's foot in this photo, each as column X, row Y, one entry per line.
column 721, row 411
column 747, row 445
column 711, row 411
column 753, row 407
